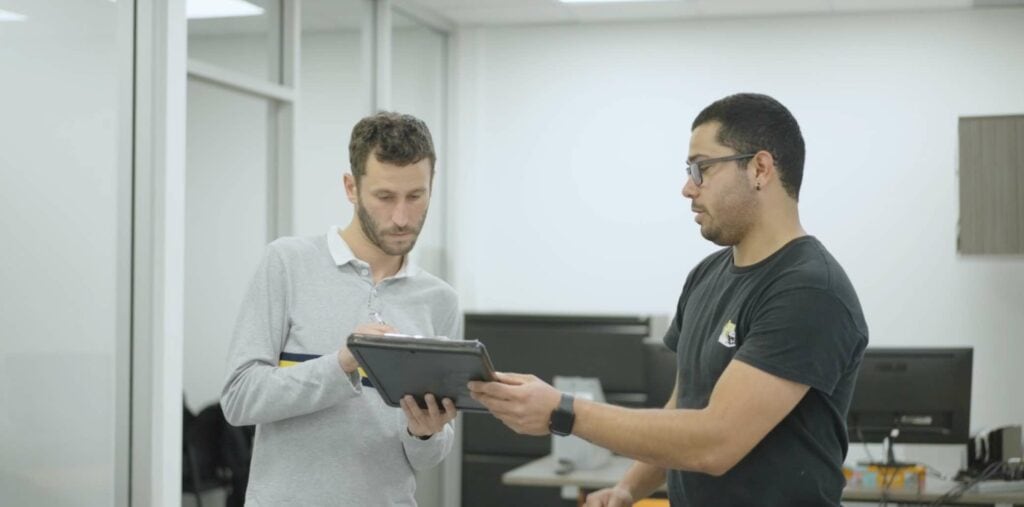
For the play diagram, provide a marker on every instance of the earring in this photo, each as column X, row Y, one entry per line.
column 758, row 187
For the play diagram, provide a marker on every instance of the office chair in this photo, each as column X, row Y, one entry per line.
column 215, row 455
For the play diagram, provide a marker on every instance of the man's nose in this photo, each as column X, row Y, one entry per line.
column 400, row 217
column 690, row 189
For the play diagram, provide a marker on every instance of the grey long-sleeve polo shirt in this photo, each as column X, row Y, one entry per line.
column 324, row 438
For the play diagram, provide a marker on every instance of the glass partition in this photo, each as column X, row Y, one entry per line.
column 63, row 180
column 419, row 87
column 242, row 36
column 335, row 87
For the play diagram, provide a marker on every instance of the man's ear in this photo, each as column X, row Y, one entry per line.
column 764, row 168
column 351, row 190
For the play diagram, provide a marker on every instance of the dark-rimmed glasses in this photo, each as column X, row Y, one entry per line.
column 697, row 167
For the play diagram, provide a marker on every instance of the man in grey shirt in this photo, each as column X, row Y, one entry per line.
column 323, row 434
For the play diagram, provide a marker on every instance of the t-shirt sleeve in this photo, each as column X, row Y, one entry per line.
column 803, row 335
column 671, row 338
column 675, row 329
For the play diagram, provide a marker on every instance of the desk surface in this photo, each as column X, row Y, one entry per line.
column 541, row 472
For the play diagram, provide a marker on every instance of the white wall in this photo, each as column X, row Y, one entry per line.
column 572, row 140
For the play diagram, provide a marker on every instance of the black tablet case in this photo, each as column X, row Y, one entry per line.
column 400, row 365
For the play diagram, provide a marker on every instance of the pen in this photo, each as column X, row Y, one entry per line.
column 375, row 315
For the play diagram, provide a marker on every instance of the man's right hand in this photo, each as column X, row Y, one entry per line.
column 610, row 497
column 346, row 360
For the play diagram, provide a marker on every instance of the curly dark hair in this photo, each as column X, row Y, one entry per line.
column 394, row 138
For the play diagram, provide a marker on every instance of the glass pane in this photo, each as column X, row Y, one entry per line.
column 418, row 87
column 59, row 258
column 226, row 215
column 238, row 35
column 336, row 91
column 418, row 55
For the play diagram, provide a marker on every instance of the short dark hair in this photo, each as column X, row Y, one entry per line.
column 394, row 138
column 751, row 122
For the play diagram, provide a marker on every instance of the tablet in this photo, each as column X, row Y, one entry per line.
column 400, row 364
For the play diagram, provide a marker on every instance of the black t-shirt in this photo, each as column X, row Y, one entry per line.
column 794, row 315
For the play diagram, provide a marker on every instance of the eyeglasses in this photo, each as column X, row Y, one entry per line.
column 697, row 167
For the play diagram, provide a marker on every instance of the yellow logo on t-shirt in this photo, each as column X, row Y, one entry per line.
column 728, row 336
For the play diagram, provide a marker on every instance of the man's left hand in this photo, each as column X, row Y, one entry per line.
column 523, row 402
column 424, row 423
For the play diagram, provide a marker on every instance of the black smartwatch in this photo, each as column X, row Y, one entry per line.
column 562, row 417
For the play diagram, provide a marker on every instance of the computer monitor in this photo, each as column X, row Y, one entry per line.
column 607, row 347
column 610, row 348
column 925, row 393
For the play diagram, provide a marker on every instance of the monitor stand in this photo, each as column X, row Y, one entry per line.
column 890, row 460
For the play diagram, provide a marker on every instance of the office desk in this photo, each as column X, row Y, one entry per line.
column 541, row 473
column 933, row 490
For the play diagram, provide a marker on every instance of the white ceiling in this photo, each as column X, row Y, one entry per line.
column 323, row 15
column 317, row 15
column 497, row 12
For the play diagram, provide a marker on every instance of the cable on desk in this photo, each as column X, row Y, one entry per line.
column 957, row 491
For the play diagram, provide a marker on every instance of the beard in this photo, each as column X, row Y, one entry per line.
column 720, row 235
column 732, row 221
column 378, row 236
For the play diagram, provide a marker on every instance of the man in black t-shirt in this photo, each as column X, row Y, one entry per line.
column 768, row 335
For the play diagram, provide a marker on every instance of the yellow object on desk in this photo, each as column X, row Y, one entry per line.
column 885, row 476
